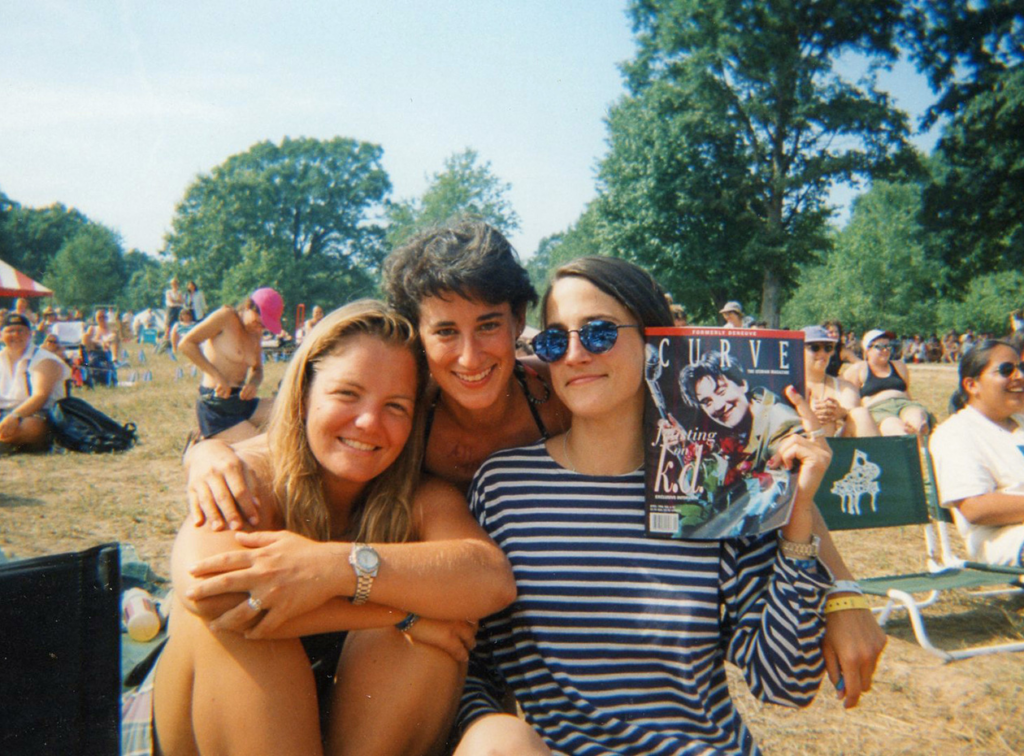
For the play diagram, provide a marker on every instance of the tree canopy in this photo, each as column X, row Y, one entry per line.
column 879, row 273
column 973, row 54
column 89, row 269
column 301, row 216
column 465, row 187
column 736, row 126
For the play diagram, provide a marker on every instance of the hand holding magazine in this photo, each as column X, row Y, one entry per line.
column 716, row 413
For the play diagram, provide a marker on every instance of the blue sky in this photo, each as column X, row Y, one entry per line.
column 115, row 107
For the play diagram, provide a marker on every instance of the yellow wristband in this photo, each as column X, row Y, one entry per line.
column 842, row 603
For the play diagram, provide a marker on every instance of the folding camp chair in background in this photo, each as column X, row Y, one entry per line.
column 60, row 635
column 879, row 483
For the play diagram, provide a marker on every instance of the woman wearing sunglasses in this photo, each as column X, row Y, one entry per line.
column 884, row 385
column 979, row 467
column 835, row 402
column 617, row 642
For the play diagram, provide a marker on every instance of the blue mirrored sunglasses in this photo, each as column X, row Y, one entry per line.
column 597, row 337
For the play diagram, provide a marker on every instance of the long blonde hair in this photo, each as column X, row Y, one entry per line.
column 385, row 512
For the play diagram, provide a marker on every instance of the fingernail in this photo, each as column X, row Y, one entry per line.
column 841, row 684
column 254, row 520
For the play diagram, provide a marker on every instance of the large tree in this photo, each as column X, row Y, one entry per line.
column 465, row 187
column 89, row 269
column 879, row 275
column 31, row 237
column 973, row 54
column 310, row 205
column 735, row 127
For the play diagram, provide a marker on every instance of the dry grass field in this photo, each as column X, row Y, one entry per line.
column 919, row 705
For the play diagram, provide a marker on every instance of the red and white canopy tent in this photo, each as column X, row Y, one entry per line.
column 14, row 283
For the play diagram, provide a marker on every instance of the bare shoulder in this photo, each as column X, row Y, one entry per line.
column 433, row 492
column 855, row 373
column 255, row 454
column 216, row 322
column 849, row 395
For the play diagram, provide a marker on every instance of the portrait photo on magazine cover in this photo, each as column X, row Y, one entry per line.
column 716, row 413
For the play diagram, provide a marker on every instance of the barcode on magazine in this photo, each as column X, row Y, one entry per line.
column 664, row 523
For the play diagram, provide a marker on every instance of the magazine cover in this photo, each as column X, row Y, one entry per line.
column 716, row 413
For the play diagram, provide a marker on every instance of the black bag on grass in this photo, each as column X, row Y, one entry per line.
column 78, row 426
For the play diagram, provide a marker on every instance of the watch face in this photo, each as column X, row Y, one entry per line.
column 367, row 559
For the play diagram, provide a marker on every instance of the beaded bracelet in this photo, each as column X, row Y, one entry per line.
column 406, row 624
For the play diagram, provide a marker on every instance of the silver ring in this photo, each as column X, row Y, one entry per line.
column 255, row 604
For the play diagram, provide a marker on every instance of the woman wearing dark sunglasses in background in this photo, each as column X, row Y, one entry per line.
column 979, row 466
column 835, row 402
column 884, row 385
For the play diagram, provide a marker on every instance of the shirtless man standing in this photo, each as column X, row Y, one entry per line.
column 226, row 347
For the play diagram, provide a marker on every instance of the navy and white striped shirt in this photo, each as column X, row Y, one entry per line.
column 616, row 641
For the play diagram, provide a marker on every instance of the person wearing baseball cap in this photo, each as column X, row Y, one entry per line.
column 31, row 380
column 835, row 402
column 733, row 314
column 884, row 385
column 227, row 348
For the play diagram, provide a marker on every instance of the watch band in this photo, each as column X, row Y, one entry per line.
column 364, row 583
column 364, row 578
column 845, row 586
column 842, row 603
column 792, row 550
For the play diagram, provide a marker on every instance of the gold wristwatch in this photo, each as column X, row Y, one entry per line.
column 366, row 562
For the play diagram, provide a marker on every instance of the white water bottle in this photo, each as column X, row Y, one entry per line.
column 139, row 614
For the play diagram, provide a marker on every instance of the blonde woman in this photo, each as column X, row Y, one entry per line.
column 373, row 551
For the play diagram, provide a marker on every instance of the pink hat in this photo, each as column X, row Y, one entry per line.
column 271, row 306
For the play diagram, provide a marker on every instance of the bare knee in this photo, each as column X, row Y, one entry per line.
column 382, row 676
column 892, row 426
column 501, row 735
column 221, row 693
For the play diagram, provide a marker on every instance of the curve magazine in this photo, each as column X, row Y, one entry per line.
column 716, row 413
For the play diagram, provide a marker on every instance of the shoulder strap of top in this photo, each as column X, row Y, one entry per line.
column 519, row 371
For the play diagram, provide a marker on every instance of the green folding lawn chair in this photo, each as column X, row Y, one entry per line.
column 881, row 483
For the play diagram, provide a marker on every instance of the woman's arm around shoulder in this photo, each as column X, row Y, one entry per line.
column 195, row 543
column 455, row 571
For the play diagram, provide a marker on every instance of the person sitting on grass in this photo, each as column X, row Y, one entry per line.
column 227, row 348
column 884, row 386
column 31, row 380
column 979, row 467
column 185, row 324
column 102, row 344
column 835, row 402
column 394, row 561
